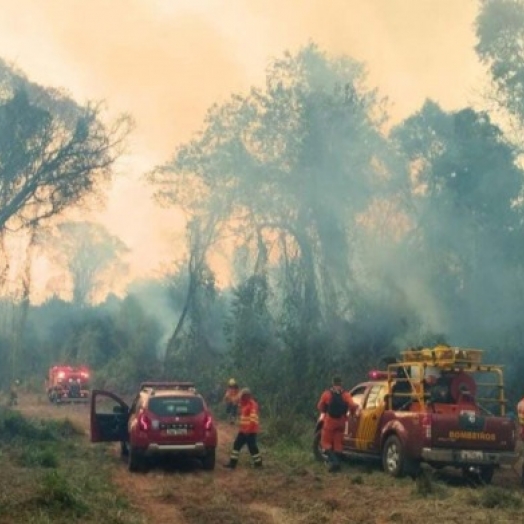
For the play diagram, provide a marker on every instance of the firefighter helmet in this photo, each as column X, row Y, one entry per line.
column 245, row 392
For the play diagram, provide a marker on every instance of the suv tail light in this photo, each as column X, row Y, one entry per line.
column 144, row 423
column 426, row 425
column 208, row 423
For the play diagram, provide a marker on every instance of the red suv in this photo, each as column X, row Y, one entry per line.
column 165, row 418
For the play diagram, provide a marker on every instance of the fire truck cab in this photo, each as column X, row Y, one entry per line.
column 68, row 384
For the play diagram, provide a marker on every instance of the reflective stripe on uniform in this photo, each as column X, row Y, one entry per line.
column 248, row 420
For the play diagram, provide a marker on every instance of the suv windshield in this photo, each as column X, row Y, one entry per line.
column 175, row 406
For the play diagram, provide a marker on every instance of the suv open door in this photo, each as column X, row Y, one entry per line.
column 109, row 417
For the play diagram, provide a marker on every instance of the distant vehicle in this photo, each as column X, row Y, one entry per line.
column 67, row 384
column 440, row 406
column 165, row 418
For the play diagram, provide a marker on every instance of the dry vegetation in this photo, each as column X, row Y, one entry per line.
column 63, row 478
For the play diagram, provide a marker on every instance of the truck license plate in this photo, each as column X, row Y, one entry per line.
column 471, row 455
column 176, row 431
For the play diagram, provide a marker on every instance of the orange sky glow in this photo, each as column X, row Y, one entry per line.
column 166, row 61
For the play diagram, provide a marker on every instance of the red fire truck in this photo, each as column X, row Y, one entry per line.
column 67, row 384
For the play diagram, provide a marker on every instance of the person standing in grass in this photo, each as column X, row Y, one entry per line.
column 334, row 404
column 231, row 399
column 13, row 393
column 249, row 427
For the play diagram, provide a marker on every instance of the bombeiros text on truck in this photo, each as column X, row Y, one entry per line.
column 441, row 406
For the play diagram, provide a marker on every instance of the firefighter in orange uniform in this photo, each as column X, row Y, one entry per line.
column 247, row 432
column 520, row 415
column 334, row 404
column 231, row 399
column 13, row 393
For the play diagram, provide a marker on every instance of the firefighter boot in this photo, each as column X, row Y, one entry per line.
column 257, row 461
column 332, row 461
column 233, row 461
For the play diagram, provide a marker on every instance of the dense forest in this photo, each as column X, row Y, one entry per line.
column 348, row 238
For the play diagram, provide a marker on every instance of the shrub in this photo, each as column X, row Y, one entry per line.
column 14, row 426
column 45, row 458
column 56, row 492
column 496, row 497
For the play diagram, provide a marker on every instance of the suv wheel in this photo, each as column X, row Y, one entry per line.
column 136, row 460
column 208, row 462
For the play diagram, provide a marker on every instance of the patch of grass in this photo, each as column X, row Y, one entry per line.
column 289, row 455
column 57, row 478
column 59, row 494
column 496, row 497
column 34, row 457
column 13, row 426
column 219, row 507
column 64, row 428
column 287, row 427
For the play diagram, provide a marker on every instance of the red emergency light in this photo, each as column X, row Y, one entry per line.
column 377, row 375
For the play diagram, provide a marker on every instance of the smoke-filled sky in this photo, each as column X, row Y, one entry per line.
column 166, row 61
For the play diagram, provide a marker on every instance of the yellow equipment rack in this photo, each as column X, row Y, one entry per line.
column 444, row 356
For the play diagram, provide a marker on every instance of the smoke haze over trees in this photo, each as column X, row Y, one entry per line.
column 346, row 239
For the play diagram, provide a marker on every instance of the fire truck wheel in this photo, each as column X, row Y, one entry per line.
column 486, row 474
column 393, row 460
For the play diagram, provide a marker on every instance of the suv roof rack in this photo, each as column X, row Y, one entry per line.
column 187, row 386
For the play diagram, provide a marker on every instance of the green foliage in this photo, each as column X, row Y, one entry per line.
column 252, row 334
column 53, row 151
column 496, row 497
column 63, row 428
column 288, row 170
column 57, row 481
column 500, row 31
column 39, row 457
column 287, row 428
column 468, row 183
column 89, row 253
column 350, row 244
column 13, row 426
column 58, row 494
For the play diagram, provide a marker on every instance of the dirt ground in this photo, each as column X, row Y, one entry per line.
column 292, row 488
